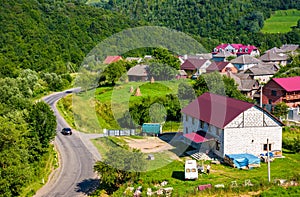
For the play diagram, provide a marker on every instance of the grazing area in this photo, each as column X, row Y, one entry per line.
column 282, row 21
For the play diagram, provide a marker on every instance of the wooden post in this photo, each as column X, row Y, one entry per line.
column 268, row 157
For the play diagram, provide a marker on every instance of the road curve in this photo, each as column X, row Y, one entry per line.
column 75, row 175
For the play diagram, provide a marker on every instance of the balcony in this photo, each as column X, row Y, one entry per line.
column 290, row 97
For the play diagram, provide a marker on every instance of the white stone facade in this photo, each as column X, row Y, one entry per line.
column 247, row 133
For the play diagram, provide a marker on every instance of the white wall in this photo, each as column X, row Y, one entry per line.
column 251, row 140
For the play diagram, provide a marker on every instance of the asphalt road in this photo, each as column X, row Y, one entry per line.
column 75, row 175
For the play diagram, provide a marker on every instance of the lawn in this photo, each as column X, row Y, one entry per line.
column 172, row 171
column 281, row 21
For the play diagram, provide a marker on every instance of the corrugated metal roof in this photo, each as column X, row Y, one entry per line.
column 289, row 84
column 216, row 109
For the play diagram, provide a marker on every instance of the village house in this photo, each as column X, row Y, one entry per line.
column 236, row 49
column 289, row 48
column 222, row 56
column 195, row 66
column 223, row 125
column 138, row 73
column 275, row 55
column 282, row 90
column 222, row 67
column 261, row 72
column 246, row 84
column 112, row 59
column 244, row 62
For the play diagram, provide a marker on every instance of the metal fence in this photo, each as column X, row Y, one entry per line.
column 127, row 132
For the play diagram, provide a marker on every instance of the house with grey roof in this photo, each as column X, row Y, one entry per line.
column 223, row 125
column 273, row 56
column 139, row 72
column 289, row 47
column 260, row 72
column 246, row 84
column 244, row 62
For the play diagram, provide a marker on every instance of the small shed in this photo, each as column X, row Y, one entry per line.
column 152, row 128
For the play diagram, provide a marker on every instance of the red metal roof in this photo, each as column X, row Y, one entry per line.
column 111, row 59
column 289, row 84
column 198, row 137
column 216, row 109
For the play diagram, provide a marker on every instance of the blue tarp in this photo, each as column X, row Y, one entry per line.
column 243, row 160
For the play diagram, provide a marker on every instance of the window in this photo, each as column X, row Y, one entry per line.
column 270, row 101
column 201, row 124
column 265, row 147
column 193, row 120
column 218, row 132
column 218, row 145
column 186, row 117
column 186, row 130
column 215, row 50
column 273, row 93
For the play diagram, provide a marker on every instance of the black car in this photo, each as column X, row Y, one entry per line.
column 66, row 131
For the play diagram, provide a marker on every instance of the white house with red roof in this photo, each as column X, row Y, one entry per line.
column 224, row 125
column 282, row 90
column 236, row 49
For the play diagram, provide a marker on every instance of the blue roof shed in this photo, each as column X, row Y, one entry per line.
column 152, row 128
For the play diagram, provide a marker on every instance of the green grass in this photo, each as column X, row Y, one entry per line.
column 220, row 174
column 281, row 21
column 48, row 163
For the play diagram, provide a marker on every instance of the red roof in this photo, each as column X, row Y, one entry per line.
column 289, row 84
column 216, row 109
column 112, row 59
column 193, row 64
column 250, row 48
column 198, row 137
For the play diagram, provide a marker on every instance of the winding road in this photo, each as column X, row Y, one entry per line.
column 75, row 175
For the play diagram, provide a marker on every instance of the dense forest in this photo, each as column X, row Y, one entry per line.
column 52, row 36
column 211, row 21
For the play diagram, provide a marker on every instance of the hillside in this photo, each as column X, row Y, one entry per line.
column 52, row 36
column 216, row 21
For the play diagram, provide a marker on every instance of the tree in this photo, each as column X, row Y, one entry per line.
column 113, row 73
column 164, row 57
column 161, row 72
column 42, row 123
column 222, row 85
column 280, row 110
column 119, row 167
column 186, row 92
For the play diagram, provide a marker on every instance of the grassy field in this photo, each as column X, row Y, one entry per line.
column 172, row 171
column 110, row 103
column 281, row 21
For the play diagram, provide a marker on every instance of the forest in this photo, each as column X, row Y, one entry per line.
column 211, row 22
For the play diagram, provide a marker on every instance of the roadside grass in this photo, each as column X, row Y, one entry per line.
column 48, row 163
column 64, row 107
column 281, row 21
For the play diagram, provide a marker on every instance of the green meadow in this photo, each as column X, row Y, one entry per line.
column 281, row 21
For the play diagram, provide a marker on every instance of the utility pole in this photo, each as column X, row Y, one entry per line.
column 260, row 98
column 268, row 158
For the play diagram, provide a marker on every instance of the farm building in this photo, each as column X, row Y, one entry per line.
column 224, row 125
